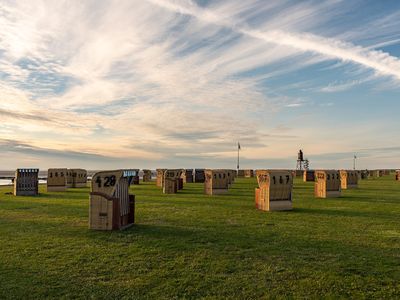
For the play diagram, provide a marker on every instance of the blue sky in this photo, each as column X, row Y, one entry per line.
column 176, row 83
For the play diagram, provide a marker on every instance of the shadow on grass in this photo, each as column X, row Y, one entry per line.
column 67, row 194
column 370, row 199
column 345, row 213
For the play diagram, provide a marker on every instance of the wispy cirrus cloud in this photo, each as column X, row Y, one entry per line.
column 340, row 86
column 332, row 48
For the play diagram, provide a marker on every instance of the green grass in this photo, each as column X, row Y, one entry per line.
column 190, row 245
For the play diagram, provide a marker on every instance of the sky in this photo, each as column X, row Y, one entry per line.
column 177, row 83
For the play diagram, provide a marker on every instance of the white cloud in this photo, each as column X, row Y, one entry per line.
column 340, row 86
column 294, row 104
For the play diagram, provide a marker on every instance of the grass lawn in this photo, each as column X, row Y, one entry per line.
column 190, row 245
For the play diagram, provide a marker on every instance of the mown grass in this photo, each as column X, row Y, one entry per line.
column 191, row 245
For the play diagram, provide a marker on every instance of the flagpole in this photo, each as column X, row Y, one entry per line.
column 238, row 157
column 354, row 162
